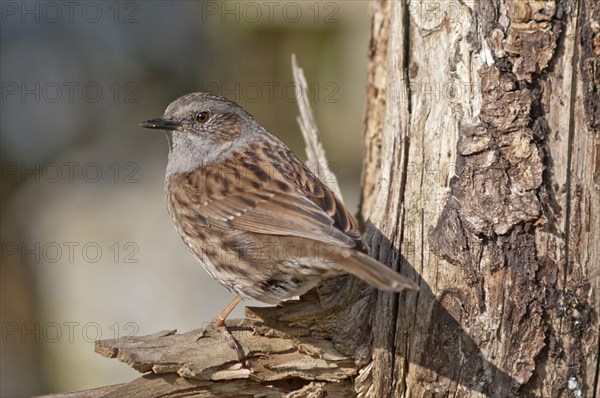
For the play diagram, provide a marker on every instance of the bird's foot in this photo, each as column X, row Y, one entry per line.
column 218, row 325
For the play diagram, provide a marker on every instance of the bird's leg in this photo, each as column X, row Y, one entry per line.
column 219, row 320
column 218, row 323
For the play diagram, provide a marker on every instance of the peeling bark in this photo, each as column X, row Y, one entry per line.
column 501, row 171
column 589, row 64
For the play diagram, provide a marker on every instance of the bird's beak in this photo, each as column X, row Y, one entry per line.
column 160, row 123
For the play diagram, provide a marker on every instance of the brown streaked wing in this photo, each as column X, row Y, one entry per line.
column 266, row 207
column 323, row 197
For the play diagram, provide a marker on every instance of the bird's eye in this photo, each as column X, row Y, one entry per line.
column 202, row 117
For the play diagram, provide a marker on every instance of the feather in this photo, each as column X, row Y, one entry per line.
column 375, row 273
column 261, row 202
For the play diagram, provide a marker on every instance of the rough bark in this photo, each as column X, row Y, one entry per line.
column 482, row 182
column 482, row 133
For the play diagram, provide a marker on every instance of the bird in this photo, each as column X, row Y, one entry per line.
column 254, row 216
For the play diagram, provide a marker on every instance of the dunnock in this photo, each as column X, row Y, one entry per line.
column 254, row 215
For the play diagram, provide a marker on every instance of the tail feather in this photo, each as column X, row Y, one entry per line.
column 376, row 274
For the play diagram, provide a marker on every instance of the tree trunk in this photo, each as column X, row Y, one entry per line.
column 481, row 182
column 482, row 177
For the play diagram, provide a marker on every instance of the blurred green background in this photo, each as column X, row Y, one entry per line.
column 88, row 250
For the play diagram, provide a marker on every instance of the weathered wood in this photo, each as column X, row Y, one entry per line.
column 171, row 385
column 302, row 349
column 315, row 154
column 481, row 171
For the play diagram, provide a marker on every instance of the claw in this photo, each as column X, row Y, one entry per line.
column 219, row 324
column 232, row 342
